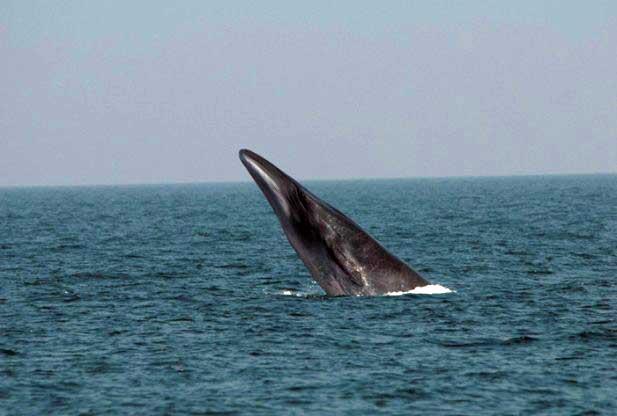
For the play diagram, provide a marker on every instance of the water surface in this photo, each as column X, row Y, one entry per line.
column 187, row 299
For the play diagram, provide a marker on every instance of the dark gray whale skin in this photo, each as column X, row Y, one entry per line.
column 342, row 258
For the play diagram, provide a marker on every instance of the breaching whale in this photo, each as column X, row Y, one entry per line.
column 342, row 258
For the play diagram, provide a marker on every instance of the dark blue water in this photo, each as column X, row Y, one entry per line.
column 187, row 299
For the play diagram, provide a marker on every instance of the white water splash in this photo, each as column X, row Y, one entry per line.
column 424, row 290
column 290, row 293
column 297, row 293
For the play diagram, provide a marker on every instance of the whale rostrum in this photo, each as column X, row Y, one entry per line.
column 341, row 257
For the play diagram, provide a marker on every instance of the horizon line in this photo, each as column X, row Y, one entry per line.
column 351, row 179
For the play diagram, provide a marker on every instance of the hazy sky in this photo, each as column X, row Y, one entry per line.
column 113, row 92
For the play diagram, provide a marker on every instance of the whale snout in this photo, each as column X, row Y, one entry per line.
column 246, row 154
column 273, row 182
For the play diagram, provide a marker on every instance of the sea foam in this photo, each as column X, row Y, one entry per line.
column 423, row 290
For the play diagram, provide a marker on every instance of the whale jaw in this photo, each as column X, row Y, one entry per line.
column 341, row 257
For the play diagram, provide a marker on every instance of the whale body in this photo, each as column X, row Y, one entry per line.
column 341, row 257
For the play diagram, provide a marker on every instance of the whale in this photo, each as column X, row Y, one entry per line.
column 341, row 257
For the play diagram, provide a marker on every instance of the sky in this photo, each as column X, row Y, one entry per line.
column 120, row 92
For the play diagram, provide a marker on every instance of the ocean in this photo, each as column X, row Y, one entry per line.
column 188, row 299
